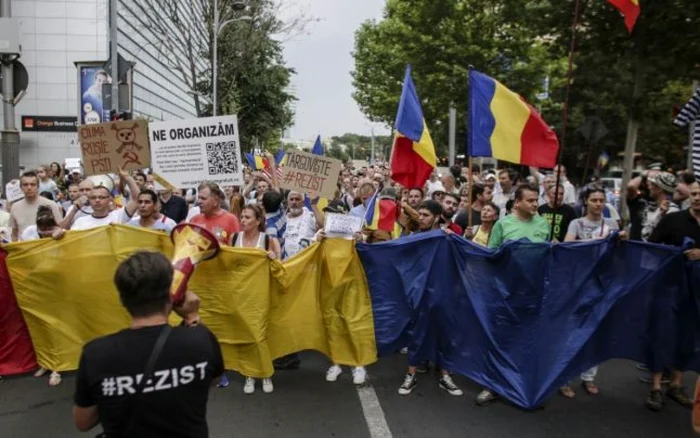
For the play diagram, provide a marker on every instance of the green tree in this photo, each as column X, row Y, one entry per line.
column 441, row 39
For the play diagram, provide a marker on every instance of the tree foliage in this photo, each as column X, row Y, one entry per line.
column 520, row 43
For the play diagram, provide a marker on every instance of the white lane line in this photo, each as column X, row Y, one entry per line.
column 374, row 414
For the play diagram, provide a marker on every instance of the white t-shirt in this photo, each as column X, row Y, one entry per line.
column 29, row 233
column 194, row 211
column 86, row 210
column 89, row 222
column 299, row 233
column 163, row 223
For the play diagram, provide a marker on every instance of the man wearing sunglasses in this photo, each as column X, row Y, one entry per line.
column 101, row 203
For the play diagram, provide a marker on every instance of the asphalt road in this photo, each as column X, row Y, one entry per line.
column 305, row 405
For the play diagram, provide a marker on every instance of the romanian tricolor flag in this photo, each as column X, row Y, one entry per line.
column 503, row 126
column 629, row 9
column 413, row 157
column 262, row 164
column 383, row 214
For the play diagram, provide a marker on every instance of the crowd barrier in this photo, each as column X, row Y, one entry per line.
column 521, row 321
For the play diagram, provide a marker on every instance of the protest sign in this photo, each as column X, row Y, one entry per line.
column 13, row 191
column 340, row 225
column 108, row 146
column 315, row 175
column 188, row 152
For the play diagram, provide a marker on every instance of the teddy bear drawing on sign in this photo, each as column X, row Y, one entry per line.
column 127, row 137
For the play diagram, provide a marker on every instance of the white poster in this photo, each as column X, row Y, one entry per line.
column 340, row 225
column 188, row 152
column 13, row 191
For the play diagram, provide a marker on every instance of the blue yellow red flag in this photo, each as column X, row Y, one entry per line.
column 503, row 126
column 413, row 156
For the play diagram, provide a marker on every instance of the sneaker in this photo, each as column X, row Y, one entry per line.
column 359, row 375
column 423, row 367
column 485, row 397
column 448, row 385
column 333, row 373
column 409, row 382
column 223, row 381
column 404, row 350
column 40, row 372
column 55, row 379
column 249, row 386
column 266, row 386
column 677, row 394
column 655, row 401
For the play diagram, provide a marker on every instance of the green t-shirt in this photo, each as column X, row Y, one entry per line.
column 512, row 228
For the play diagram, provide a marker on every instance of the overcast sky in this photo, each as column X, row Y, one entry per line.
column 323, row 62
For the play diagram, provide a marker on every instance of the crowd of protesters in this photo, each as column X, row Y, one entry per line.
column 489, row 208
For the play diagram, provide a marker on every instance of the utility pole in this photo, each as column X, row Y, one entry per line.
column 453, row 134
column 691, row 134
column 9, row 136
column 114, row 54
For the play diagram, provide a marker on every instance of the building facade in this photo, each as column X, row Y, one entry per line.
column 56, row 34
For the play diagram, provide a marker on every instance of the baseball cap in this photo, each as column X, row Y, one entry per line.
column 654, row 166
column 490, row 177
column 665, row 181
column 336, row 206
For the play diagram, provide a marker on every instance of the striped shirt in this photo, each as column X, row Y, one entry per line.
column 689, row 114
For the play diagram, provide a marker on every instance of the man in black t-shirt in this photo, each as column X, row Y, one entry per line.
column 562, row 214
column 173, row 400
column 173, row 206
column 673, row 229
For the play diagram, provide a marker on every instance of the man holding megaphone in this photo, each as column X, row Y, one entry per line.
column 151, row 380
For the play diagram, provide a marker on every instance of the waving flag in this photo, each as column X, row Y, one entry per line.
column 629, row 9
column 262, row 164
column 383, row 214
column 413, row 156
column 503, row 126
column 318, row 147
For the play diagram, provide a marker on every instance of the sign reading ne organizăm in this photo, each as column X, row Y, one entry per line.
column 189, row 152
column 315, row 175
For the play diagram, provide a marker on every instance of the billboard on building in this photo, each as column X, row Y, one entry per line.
column 91, row 77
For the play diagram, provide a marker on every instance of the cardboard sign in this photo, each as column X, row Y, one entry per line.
column 187, row 152
column 13, row 191
column 340, row 225
column 108, row 146
column 314, row 175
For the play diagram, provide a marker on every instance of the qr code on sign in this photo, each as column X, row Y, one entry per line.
column 221, row 158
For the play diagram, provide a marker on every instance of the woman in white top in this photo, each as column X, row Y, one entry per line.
column 45, row 227
column 591, row 226
column 253, row 235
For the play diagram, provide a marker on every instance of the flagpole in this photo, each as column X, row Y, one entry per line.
column 469, row 193
column 565, row 115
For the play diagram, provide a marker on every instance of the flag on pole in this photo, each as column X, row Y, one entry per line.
column 413, row 157
column 503, row 126
column 322, row 202
column 629, row 9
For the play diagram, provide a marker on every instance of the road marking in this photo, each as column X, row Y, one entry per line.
column 374, row 414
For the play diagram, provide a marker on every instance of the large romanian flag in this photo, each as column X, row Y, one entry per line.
column 413, row 157
column 503, row 126
column 629, row 9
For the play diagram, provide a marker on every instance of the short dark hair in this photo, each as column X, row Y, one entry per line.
column 30, row 174
column 45, row 217
column 141, row 174
column 143, row 281
column 453, row 196
column 519, row 192
column 419, row 189
column 150, row 193
column 434, row 207
column 271, row 201
column 477, row 190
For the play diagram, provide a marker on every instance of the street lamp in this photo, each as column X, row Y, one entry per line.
column 218, row 27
